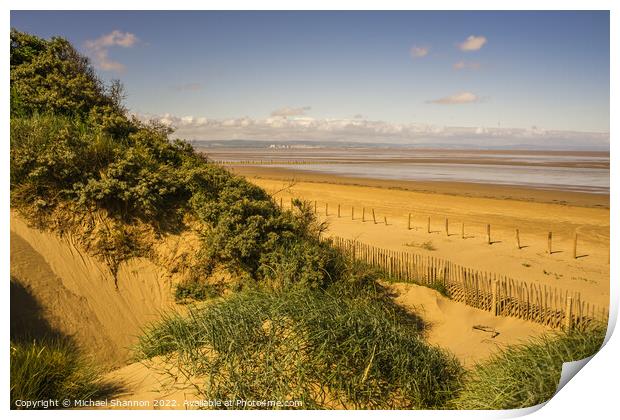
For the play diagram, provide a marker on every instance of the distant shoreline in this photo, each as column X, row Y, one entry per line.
column 326, row 160
column 467, row 189
column 217, row 150
column 206, row 145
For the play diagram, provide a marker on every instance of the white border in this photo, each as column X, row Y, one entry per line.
column 592, row 395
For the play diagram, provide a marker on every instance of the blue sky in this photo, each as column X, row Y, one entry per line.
column 352, row 75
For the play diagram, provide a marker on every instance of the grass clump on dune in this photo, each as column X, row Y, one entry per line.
column 329, row 349
column 51, row 369
column 528, row 374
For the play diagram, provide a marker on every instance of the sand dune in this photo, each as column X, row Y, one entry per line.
column 451, row 324
column 75, row 292
column 56, row 287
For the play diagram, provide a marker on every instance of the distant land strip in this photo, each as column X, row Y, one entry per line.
column 568, row 164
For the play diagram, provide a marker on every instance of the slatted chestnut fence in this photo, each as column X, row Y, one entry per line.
column 490, row 292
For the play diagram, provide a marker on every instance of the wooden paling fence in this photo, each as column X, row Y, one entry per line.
column 490, row 292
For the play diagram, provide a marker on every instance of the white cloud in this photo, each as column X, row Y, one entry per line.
column 466, row 65
column 417, row 52
column 362, row 130
column 290, row 112
column 473, row 43
column 99, row 47
column 457, row 99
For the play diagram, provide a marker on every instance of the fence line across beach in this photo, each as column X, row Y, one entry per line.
column 491, row 292
column 550, row 250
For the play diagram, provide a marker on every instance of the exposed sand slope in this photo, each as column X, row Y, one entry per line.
column 451, row 324
column 76, row 294
column 588, row 274
column 150, row 383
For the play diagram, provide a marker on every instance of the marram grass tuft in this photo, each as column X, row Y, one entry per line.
column 527, row 374
column 326, row 350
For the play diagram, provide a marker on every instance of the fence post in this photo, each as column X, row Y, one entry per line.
column 495, row 298
column 352, row 213
column 326, row 209
column 339, row 210
column 568, row 315
column 315, row 207
column 363, row 214
column 281, row 203
column 462, row 230
column 374, row 219
column 447, row 232
column 518, row 239
column 575, row 246
column 385, row 220
column 489, row 233
column 549, row 240
column 409, row 222
column 428, row 225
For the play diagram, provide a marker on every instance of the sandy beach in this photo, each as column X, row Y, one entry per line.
column 533, row 212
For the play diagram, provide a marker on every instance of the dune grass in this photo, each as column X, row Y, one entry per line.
column 52, row 369
column 528, row 374
column 329, row 349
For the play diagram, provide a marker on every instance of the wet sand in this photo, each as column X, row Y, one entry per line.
column 504, row 192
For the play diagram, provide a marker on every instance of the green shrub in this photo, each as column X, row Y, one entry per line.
column 52, row 369
column 47, row 157
column 300, row 261
column 326, row 349
column 528, row 374
column 52, row 77
column 195, row 291
column 73, row 151
column 141, row 183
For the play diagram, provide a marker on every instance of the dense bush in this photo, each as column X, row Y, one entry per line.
column 73, row 148
column 52, row 77
column 144, row 181
column 58, row 158
column 322, row 347
column 528, row 374
column 189, row 291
